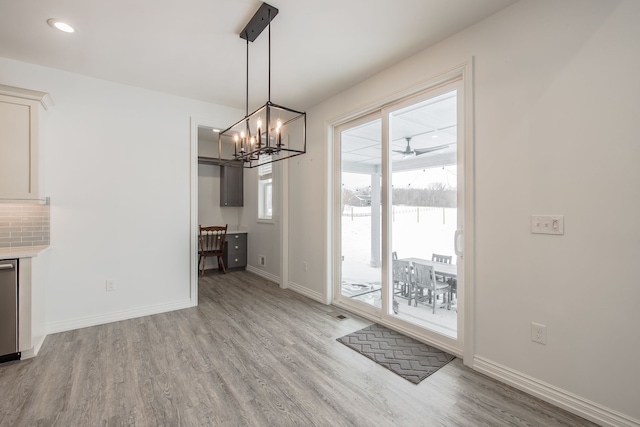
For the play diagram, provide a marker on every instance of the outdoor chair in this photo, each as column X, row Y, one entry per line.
column 446, row 259
column 402, row 282
column 428, row 288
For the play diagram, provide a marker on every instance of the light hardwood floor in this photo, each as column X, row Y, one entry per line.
column 250, row 354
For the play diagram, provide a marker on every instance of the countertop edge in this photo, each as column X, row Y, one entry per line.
column 21, row 252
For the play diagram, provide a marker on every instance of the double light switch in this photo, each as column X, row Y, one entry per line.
column 547, row 224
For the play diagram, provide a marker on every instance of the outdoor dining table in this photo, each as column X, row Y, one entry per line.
column 448, row 271
column 440, row 268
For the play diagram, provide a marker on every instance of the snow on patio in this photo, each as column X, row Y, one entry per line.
column 417, row 232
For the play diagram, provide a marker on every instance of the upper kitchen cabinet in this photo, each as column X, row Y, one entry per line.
column 20, row 111
column 231, row 185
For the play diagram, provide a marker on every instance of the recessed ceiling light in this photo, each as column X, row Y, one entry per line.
column 59, row 25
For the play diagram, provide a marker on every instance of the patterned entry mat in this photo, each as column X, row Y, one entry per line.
column 411, row 359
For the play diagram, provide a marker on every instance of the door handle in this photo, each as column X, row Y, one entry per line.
column 7, row 266
column 458, row 243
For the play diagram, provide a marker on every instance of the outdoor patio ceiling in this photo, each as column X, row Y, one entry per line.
column 428, row 124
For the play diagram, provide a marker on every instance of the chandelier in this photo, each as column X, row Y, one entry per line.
column 272, row 132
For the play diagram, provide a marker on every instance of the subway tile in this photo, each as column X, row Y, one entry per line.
column 32, row 239
column 39, row 224
column 10, row 239
column 22, row 234
column 21, row 244
column 31, row 228
column 10, row 229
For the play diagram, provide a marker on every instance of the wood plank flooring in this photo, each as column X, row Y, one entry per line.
column 250, row 354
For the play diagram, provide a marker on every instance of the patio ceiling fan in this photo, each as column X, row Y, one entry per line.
column 410, row 152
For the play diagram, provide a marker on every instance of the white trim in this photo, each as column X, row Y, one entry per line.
column 284, row 224
column 327, row 218
column 467, row 296
column 554, row 395
column 303, row 290
column 17, row 92
column 271, row 277
column 33, row 351
column 193, row 214
column 83, row 322
column 38, row 344
column 28, row 354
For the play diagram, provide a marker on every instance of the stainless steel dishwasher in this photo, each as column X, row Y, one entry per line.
column 9, row 310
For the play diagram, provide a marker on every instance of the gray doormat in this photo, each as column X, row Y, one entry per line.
column 411, row 359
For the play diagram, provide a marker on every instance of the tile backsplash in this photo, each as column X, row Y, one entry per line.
column 24, row 224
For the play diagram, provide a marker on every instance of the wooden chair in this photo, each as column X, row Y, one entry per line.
column 428, row 288
column 402, row 285
column 212, row 245
column 452, row 282
column 446, row 259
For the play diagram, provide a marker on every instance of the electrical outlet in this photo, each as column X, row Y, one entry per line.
column 262, row 261
column 538, row 333
column 305, row 266
column 110, row 285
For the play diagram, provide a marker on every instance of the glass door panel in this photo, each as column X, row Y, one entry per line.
column 360, row 219
column 423, row 213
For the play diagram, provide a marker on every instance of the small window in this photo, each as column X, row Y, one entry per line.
column 265, row 191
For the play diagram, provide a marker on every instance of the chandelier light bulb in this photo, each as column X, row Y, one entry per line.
column 259, row 131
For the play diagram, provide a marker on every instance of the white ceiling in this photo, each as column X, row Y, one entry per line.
column 192, row 48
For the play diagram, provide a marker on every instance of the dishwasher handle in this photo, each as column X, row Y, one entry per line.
column 9, row 266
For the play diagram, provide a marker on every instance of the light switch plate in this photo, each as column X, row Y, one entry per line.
column 547, row 224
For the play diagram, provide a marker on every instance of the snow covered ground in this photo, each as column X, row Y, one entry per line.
column 417, row 232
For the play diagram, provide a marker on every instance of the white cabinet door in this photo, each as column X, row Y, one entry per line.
column 18, row 148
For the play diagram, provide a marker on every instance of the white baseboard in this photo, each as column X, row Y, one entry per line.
column 68, row 325
column 316, row 296
column 33, row 351
column 554, row 395
column 271, row 277
column 27, row 354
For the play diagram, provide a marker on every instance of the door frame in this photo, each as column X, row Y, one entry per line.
column 464, row 346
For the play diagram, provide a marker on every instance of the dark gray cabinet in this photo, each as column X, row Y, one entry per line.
column 231, row 185
column 235, row 250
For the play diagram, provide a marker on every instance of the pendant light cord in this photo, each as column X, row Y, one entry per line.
column 246, row 110
column 269, row 93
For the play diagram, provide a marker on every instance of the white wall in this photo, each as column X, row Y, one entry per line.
column 118, row 173
column 557, row 101
column 264, row 236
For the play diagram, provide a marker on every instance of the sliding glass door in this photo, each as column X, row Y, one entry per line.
column 400, row 212
column 360, row 212
column 423, row 220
